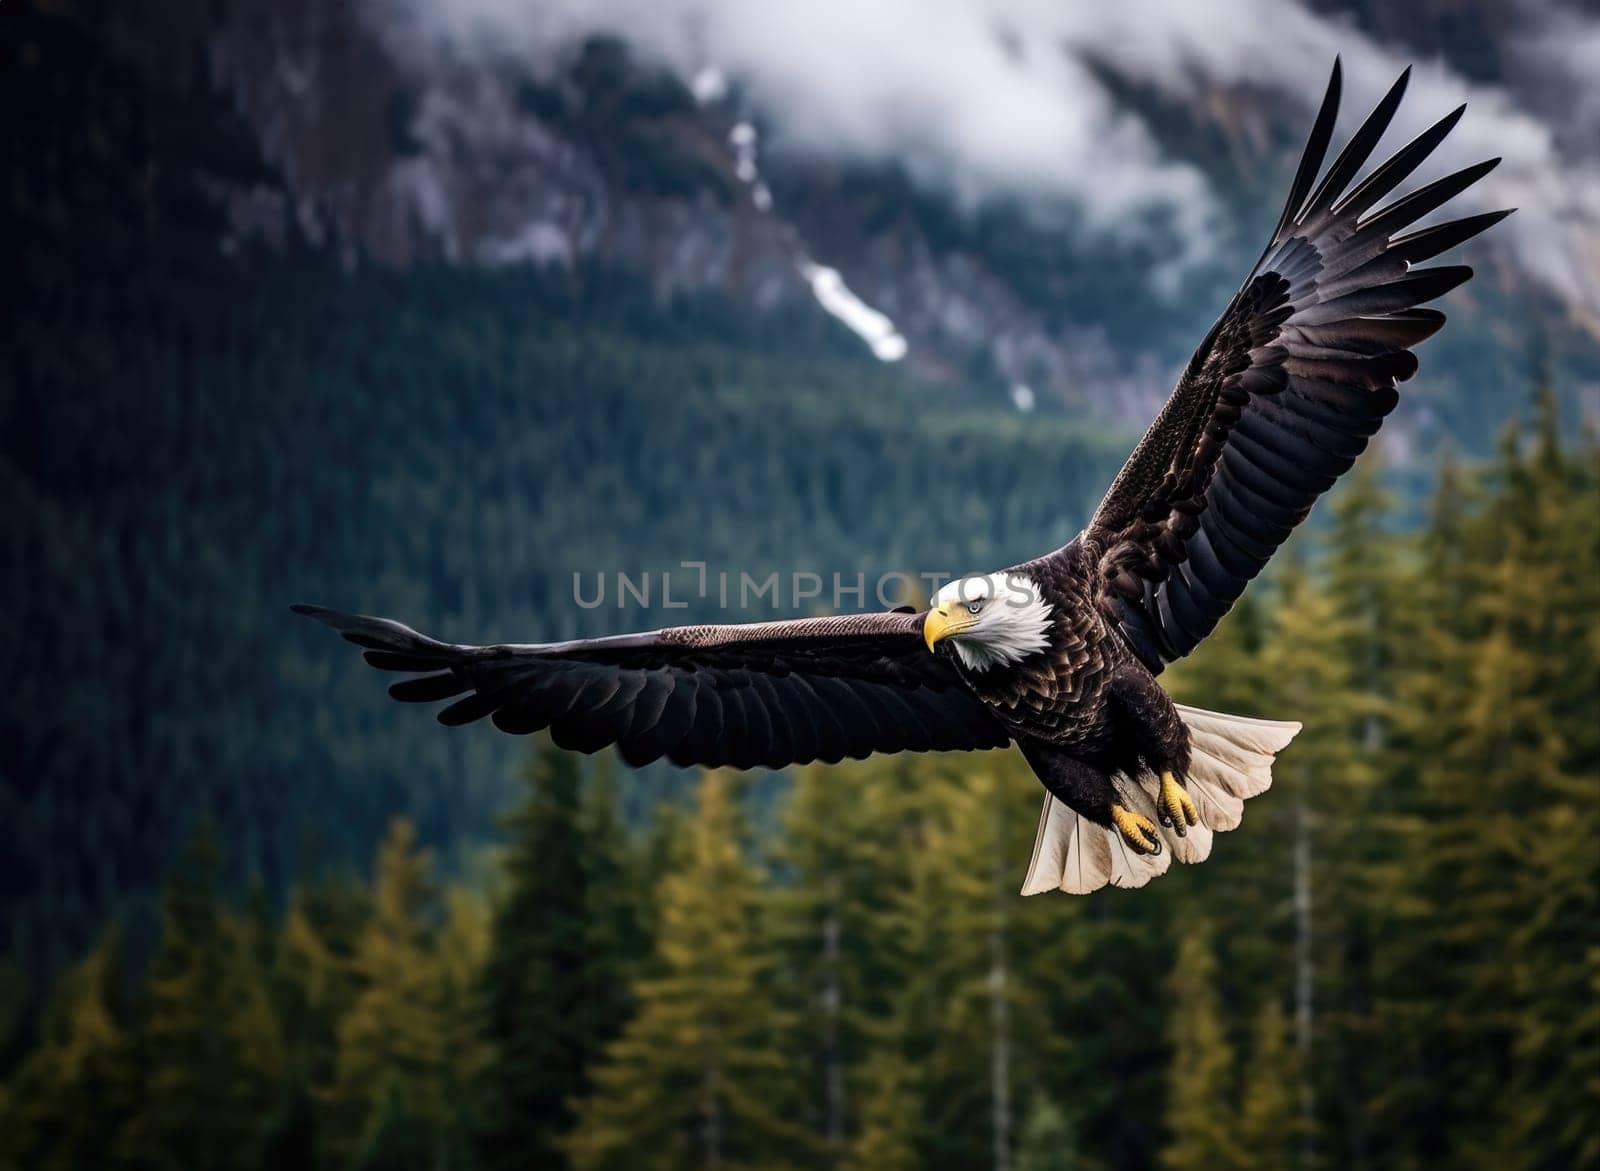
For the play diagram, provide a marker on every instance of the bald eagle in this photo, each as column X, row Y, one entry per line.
column 1059, row 655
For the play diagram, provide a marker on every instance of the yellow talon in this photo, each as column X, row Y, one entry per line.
column 1136, row 829
column 1175, row 807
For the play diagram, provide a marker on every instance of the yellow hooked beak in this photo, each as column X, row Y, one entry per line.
column 942, row 622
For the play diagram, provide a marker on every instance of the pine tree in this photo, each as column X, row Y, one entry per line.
column 456, row 984
column 1200, row 1116
column 64, row 1104
column 809, row 915
column 873, row 830
column 1416, row 878
column 1326, row 781
column 1049, row 1142
column 664, row 850
column 841, row 871
column 889, row 1117
column 990, row 1019
column 1536, row 755
column 315, row 981
column 555, row 985
column 1269, row 1114
column 289, row 1133
column 696, row 1078
column 618, row 889
column 211, row 1045
column 1554, row 947
column 1353, row 805
column 393, row 1141
column 1098, row 968
column 1363, row 586
column 404, row 1056
column 1500, row 907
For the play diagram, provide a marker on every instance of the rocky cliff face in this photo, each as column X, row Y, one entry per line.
column 603, row 161
column 609, row 162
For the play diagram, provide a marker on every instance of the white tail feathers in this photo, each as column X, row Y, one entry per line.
column 1230, row 760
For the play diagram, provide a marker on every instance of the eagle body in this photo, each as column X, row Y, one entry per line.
column 1059, row 656
column 1085, row 693
column 1057, row 695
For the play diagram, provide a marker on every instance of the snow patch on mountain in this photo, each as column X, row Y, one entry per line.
column 743, row 140
column 709, row 85
column 867, row 323
column 537, row 243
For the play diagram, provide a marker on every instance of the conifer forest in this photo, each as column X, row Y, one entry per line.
column 253, row 915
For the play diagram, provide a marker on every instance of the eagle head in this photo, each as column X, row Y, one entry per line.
column 991, row 620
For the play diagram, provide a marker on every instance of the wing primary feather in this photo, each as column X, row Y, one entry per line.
column 1426, row 243
column 1415, row 288
column 430, row 688
column 1398, row 329
column 1315, row 151
column 1400, row 165
column 398, row 661
column 1357, row 150
column 465, row 711
column 1410, row 208
column 1189, row 590
column 571, row 687
column 601, row 723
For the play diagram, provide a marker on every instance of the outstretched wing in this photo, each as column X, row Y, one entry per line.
column 1285, row 390
column 767, row 693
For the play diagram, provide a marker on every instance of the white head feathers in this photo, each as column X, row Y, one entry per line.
column 1009, row 618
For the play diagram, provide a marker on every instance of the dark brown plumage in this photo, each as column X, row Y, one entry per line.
column 1285, row 391
column 1281, row 396
column 762, row 694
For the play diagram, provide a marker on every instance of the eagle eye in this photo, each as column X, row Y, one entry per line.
column 974, row 607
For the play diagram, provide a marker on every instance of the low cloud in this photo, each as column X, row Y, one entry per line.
column 998, row 97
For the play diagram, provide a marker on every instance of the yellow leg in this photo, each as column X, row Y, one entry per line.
column 1175, row 807
column 1136, row 829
